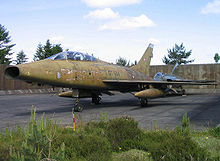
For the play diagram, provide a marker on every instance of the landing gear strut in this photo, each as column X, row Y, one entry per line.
column 96, row 99
column 144, row 102
column 78, row 107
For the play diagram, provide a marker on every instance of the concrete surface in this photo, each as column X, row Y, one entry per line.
column 203, row 109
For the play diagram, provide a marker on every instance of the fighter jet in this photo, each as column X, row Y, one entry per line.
column 171, row 77
column 89, row 77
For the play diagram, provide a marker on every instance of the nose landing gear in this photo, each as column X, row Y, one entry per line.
column 78, row 107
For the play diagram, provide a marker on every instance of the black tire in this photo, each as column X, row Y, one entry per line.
column 144, row 102
column 96, row 100
column 79, row 108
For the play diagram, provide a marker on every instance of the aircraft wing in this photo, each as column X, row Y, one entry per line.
column 193, row 81
column 145, row 82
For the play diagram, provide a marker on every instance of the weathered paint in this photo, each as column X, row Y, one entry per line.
column 80, row 74
column 212, row 73
column 143, row 65
column 149, row 93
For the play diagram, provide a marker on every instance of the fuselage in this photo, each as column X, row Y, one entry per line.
column 73, row 73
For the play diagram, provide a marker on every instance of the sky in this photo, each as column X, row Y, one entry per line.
column 112, row 28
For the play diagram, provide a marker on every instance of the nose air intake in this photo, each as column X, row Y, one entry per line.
column 13, row 72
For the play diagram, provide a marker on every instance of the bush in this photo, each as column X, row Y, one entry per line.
column 44, row 140
column 85, row 147
column 132, row 155
column 122, row 130
column 4, row 151
column 169, row 145
column 211, row 143
column 96, row 128
column 33, row 143
column 215, row 131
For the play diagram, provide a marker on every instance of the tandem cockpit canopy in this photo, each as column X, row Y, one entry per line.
column 70, row 55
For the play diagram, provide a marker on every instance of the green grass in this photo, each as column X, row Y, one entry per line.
column 210, row 143
column 118, row 139
column 132, row 155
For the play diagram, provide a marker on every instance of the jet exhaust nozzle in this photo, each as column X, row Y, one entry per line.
column 12, row 72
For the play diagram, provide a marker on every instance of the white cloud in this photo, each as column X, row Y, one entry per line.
column 212, row 7
column 128, row 23
column 154, row 41
column 109, row 3
column 106, row 13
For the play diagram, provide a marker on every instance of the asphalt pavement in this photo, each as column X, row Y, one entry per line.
column 203, row 109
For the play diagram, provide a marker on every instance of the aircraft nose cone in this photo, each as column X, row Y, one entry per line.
column 12, row 72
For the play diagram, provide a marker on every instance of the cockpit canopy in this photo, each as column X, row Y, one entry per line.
column 69, row 55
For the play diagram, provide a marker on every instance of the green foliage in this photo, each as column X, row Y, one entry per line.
column 116, row 139
column 21, row 58
column 135, row 63
column 5, row 47
column 122, row 133
column 132, row 155
column 210, row 143
column 122, row 61
column 185, row 124
column 120, row 130
column 47, row 50
column 4, row 150
column 85, row 146
column 216, row 57
column 34, row 143
column 103, row 117
column 177, row 55
column 170, row 145
column 215, row 131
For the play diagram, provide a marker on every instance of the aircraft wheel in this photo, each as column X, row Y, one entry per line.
column 79, row 108
column 144, row 102
column 183, row 92
column 96, row 100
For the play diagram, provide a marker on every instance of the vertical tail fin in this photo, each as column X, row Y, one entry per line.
column 144, row 63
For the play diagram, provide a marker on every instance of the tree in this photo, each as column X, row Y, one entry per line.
column 135, row 63
column 47, row 50
column 177, row 55
column 5, row 47
column 216, row 57
column 122, row 61
column 21, row 58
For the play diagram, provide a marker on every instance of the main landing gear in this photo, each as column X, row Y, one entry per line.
column 144, row 102
column 79, row 107
column 96, row 99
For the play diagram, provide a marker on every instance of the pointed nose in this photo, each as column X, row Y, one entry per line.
column 12, row 72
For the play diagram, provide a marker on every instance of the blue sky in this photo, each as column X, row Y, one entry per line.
column 113, row 28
